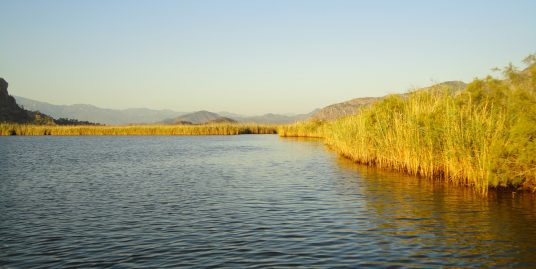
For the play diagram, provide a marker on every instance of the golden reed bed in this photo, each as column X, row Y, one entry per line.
column 483, row 136
column 209, row 129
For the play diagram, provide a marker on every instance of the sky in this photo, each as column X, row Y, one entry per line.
column 252, row 56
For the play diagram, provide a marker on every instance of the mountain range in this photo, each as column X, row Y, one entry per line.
column 198, row 117
column 92, row 113
column 96, row 114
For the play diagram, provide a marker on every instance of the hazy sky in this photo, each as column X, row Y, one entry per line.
column 251, row 57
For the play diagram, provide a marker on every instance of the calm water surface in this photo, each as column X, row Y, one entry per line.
column 239, row 201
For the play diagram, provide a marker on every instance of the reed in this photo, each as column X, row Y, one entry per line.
column 311, row 128
column 483, row 136
column 77, row 130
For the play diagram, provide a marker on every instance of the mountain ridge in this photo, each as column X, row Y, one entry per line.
column 352, row 106
column 92, row 113
column 197, row 117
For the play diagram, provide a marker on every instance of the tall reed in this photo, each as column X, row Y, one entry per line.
column 483, row 136
column 75, row 130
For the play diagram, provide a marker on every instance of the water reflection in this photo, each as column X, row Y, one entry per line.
column 433, row 220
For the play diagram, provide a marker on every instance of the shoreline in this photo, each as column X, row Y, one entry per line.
column 439, row 179
column 481, row 136
column 314, row 130
column 8, row 129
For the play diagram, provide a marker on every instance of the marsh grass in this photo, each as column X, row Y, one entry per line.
column 483, row 136
column 311, row 128
column 208, row 129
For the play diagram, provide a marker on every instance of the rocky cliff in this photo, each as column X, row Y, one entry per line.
column 12, row 113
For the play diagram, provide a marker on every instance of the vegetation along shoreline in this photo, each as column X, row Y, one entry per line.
column 7, row 129
column 482, row 135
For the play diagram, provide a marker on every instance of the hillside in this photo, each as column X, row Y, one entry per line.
column 222, row 120
column 335, row 111
column 210, row 117
column 271, row 118
column 195, row 118
column 10, row 111
column 92, row 113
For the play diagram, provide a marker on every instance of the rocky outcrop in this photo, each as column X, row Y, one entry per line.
column 13, row 113
column 9, row 110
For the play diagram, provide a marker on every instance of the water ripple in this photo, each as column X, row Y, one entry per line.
column 241, row 201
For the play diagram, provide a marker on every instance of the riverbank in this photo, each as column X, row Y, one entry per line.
column 483, row 136
column 81, row 130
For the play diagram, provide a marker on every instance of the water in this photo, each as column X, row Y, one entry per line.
column 240, row 201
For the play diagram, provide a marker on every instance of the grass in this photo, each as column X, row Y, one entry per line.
column 208, row 129
column 483, row 136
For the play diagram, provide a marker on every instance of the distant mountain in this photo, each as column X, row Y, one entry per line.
column 195, row 118
column 268, row 118
column 11, row 112
column 335, row 111
column 84, row 112
column 453, row 86
column 350, row 107
column 206, row 117
column 222, row 120
column 230, row 115
column 273, row 118
column 92, row 113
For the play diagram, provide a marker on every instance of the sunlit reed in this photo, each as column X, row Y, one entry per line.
column 483, row 136
column 206, row 129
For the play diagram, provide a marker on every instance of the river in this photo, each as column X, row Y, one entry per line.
column 251, row 201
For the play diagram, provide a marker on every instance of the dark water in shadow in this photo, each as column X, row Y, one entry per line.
column 240, row 201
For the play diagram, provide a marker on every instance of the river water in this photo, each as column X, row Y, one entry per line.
column 250, row 201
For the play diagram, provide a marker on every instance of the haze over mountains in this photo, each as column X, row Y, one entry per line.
column 96, row 114
column 147, row 116
column 198, row 117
